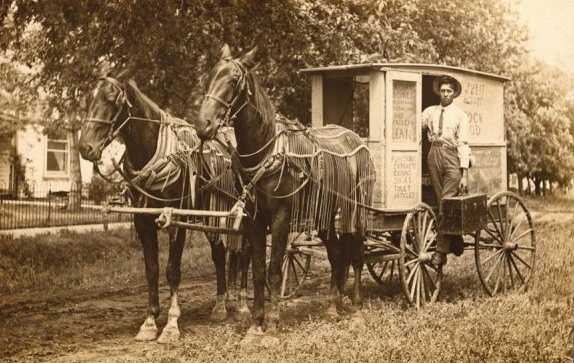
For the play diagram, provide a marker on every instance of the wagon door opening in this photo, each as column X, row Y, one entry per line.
column 428, row 98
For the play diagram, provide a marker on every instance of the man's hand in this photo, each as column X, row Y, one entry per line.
column 463, row 185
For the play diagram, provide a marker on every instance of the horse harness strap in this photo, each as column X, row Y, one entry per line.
column 242, row 84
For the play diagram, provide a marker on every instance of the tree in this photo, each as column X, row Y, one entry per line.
column 539, row 129
column 14, row 105
column 172, row 44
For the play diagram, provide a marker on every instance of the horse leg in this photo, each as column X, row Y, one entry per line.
column 232, row 267
column 147, row 232
column 242, row 313
column 356, row 250
column 279, row 235
column 170, row 332
column 335, row 254
column 219, row 312
column 255, row 233
column 356, row 253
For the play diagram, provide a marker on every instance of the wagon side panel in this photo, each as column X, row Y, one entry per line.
column 488, row 174
column 376, row 139
column 483, row 101
column 402, row 136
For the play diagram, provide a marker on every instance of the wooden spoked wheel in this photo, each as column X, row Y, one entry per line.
column 295, row 269
column 505, row 249
column 381, row 258
column 421, row 281
column 383, row 271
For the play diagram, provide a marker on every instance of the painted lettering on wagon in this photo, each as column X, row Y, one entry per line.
column 473, row 93
column 475, row 122
column 403, row 176
column 473, row 96
column 404, row 112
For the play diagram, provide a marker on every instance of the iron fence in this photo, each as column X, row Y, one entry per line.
column 49, row 208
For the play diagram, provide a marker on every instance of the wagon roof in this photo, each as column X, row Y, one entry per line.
column 411, row 66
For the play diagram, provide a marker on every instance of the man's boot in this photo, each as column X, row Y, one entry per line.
column 456, row 245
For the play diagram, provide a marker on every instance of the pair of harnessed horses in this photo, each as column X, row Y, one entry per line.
column 293, row 179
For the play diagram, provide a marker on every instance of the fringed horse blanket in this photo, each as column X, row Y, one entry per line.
column 332, row 174
column 177, row 157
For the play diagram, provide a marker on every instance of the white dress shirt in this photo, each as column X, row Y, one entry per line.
column 455, row 129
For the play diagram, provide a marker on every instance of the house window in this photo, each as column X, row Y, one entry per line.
column 57, row 155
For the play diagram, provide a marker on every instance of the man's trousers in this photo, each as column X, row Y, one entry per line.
column 444, row 167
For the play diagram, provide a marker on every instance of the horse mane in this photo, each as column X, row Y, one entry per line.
column 267, row 109
column 149, row 107
column 262, row 101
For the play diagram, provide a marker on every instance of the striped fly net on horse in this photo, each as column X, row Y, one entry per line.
column 333, row 173
column 177, row 157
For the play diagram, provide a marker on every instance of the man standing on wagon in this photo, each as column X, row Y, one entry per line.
column 449, row 156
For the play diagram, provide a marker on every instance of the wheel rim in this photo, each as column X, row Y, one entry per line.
column 505, row 249
column 383, row 272
column 295, row 269
column 382, row 267
column 421, row 280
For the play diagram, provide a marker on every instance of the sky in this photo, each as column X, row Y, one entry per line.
column 551, row 30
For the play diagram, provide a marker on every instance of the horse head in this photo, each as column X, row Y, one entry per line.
column 107, row 115
column 227, row 92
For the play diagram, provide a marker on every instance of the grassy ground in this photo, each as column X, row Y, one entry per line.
column 69, row 260
column 553, row 203
column 465, row 326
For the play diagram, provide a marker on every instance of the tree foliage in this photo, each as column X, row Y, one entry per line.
column 171, row 45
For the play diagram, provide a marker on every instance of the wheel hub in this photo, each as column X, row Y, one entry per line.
column 509, row 246
column 425, row 257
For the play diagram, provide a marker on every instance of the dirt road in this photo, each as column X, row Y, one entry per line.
column 100, row 326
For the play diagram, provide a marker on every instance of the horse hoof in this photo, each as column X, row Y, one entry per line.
column 169, row 335
column 273, row 318
column 332, row 312
column 219, row 313
column 231, row 305
column 253, row 337
column 232, row 302
column 146, row 334
column 272, row 326
column 358, row 321
column 242, row 315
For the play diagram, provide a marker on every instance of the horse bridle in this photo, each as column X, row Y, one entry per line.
column 122, row 102
column 241, row 86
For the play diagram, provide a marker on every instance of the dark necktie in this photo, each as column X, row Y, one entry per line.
column 440, row 120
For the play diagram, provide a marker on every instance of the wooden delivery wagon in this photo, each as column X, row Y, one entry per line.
column 383, row 103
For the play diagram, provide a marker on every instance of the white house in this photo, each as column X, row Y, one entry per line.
column 44, row 160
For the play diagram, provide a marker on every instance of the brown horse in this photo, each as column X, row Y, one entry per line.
column 162, row 163
column 299, row 179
